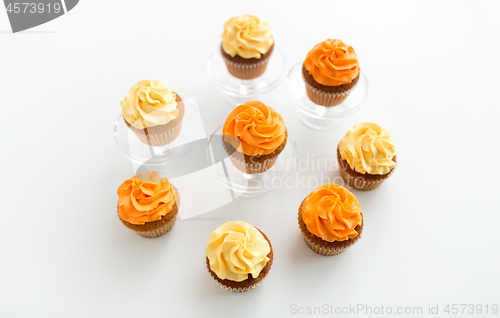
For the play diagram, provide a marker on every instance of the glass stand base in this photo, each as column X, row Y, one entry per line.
column 168, row 157
column 237, row 91
column 320, row 117
column 252, row 185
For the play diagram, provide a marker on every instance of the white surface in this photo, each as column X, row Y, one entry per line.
column 431, row 232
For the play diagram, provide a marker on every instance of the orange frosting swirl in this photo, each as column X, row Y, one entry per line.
column 332, row 63
column 145, row 198
column 258, row 129
column 331, row 212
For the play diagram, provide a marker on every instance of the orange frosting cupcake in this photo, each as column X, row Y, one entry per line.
column 332, row 63
column 145, row 198
column 332, row 212
column 330, row 219
column 256, row 129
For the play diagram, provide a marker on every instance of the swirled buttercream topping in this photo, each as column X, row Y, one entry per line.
column 149, row 103
column 332, row 212
column 368, row 148
column 236, row 249
column 145, row 198
column 254, row 129
column 332, row 63
column 247, row 36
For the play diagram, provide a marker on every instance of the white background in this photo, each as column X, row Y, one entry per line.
column 431, row 231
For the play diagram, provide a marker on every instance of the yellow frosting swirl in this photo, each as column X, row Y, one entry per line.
column 247, row 36
column 332, row 213
column 368, row 148
column 236, row 249
column 149, row 103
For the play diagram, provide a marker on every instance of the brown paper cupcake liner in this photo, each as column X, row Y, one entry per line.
column 160, row 139
column 323, row 250
column 323, row 247
column 161, row 135
column 246, row 71
column 238, row 160
column 357, row 180
column 324, row 98
column 154, row 230
column 237, row 289
column 159, row 231
column 251, row 168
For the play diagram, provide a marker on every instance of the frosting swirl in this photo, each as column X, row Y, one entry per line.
column 368, row 148
column 258, row 129
column 149, row 103
column 332, row 63
column 247, row 36
column 236, row 249
column 331, row 212
column 145, row 198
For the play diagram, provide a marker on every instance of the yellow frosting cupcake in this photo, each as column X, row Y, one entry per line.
column 366, row 156
column 247, row 44
column 239, row 256
column 153, row 111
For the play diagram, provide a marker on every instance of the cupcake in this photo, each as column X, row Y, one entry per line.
column 147, row 204
column 239, row 256
column 254, row 136
column 153, row 112
column 247, row 44
column 366, row 156
column 330, row 71
column 330, row 219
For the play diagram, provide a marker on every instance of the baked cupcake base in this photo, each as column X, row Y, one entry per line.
column 162, row 135
column 323, row 95
column 156, row 228
column 321, row 246
column 246, row 69
column 250, row 282
column 358, row 180
column 253, row 164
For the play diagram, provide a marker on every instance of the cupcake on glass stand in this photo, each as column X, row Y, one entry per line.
column 328, row 85
column 153, row 111
column 259, row 153
column 246, row 65
column 156, row 127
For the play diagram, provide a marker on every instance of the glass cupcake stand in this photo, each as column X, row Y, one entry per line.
column 237, row 91
column 198, row 165
column 251, row 185
column 321, row 117
column 170, row 157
